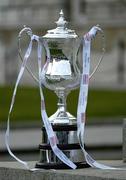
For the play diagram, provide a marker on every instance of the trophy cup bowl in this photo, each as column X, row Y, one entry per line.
column 62, row 75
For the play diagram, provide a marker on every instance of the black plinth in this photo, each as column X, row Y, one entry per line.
column 72, row 146
column 60, row 165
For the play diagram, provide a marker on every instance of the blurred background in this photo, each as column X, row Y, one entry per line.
column 107, row 94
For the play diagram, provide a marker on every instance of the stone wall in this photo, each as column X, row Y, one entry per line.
column 35, row 13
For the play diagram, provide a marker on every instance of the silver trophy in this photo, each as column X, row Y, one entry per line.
column 62, row 75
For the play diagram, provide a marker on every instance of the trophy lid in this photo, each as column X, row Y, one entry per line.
column 61, row 31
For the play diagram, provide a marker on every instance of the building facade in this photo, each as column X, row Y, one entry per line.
column 40, row 15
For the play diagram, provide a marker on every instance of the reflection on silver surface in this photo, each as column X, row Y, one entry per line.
column 74, row 155
column 63, row 70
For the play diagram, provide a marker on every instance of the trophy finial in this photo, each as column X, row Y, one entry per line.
column 61, row 21
column 61, row 13
column 61, row 31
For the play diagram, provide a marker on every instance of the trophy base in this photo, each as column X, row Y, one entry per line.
column 68, row 143
column 60, row 165
column 60, row 117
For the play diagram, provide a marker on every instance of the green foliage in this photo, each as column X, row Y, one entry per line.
column 101, row 103
column 107, row 103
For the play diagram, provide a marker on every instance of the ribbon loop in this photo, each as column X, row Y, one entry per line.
column 83, row 97
column 7, row 135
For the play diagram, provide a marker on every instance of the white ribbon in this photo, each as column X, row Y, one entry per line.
column 7, row 135
column 83, row 96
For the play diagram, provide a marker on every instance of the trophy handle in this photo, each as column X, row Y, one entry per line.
column 29, row 33
column 103, row 52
